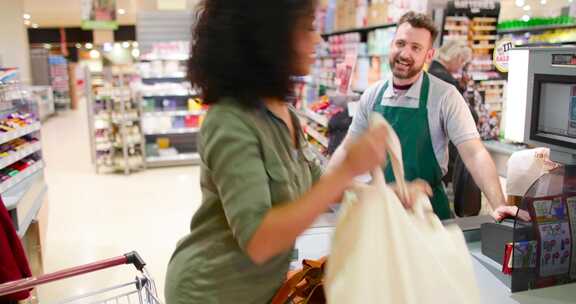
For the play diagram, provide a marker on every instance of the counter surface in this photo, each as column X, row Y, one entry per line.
column 493, row 284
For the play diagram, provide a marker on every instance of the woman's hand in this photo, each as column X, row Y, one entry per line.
column 366, row 153
column 415, row 189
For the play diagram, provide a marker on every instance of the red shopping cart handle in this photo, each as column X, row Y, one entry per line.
column 29, row 283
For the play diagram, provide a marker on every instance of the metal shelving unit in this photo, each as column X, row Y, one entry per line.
column 22, row 183
column 115, row 149
column 363, row 30
column 170, row 117
column 536, row 29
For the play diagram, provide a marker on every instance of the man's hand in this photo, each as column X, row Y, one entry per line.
column 415, row 188
column 503, row 212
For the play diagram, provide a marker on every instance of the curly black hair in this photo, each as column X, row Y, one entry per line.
column 244, row 48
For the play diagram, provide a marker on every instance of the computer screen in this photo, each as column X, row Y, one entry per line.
column 555, row 115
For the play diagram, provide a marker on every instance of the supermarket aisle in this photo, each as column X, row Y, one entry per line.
column 92, row 216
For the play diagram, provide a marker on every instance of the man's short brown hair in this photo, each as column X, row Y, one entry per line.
column 418, row 20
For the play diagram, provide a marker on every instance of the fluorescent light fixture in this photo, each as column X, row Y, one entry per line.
column 526, row 18
column 26, row 16
column 78, row 45
column 94, row 54
column 89, row 46
column 108, row 47
column 121, row 11
column 125, row 44
column 520, row 3
column 35, row 25
column 527, row 7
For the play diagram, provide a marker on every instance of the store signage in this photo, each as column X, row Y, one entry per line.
column 99, row 15
column 502, row 54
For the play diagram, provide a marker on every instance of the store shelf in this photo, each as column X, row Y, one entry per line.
column 456, row 28
column 154, row 80
column 173, row 113
column 537, row 28
column 318, row 118
column 485, row 37
column 546, row 44
column 25, row 200
column 484, row 28
column 169, row 96
column 483, row 46
column 323, row 140
column 175, row 58
column 15, row 180
column 173, row 131
column 175, row 160
column 359, row 30
column 19, row 132
column 16, row 156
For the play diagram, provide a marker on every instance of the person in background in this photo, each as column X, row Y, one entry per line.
column 426, row 113
column 450, row 60
column 261, row 186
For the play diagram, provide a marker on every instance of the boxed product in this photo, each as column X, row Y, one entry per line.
column 378, row 12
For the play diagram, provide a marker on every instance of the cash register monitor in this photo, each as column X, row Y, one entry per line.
column 554, row 110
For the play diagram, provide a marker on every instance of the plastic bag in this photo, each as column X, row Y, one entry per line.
column 383, row 253
column 525, row 167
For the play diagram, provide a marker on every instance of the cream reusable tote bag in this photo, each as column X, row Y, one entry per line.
column 383, row 253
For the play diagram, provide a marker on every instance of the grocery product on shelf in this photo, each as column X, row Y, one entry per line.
column 115, row 123
column 171, row 113
column 22, row 183
column 537, row 23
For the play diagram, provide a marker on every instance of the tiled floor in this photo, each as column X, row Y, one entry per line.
column 92, row 217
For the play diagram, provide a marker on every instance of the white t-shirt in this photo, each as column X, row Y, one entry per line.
column 448, row 114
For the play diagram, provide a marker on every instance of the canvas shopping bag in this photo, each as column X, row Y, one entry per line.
column 383, row 253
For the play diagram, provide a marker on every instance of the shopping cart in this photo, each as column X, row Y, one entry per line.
column 141, row 290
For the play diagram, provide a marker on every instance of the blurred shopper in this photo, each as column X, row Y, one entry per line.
column 450, row 60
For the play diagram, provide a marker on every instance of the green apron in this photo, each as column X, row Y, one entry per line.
column 413, row 130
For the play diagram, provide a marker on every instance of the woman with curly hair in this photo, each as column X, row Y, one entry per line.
column 261, row 186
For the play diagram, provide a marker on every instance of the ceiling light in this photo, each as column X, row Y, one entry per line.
column 35, row 25
column 78, row 45
column 125, row 44
column 107, row 47
column 520, row 3
column 526, row 18
column 121, row 11
column 136, row 53
column 27, row 22
column 527, row 8
column 26, row 16
column 89, row 46
column 135, row 44
column 94, row 54
column 47, row 46
column 543, row 2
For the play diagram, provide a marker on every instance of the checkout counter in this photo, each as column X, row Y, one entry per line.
column 541, row 250
column 494, row 285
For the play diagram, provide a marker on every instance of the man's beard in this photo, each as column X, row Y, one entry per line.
column 412, row 69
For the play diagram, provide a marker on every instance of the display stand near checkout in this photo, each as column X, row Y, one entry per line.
column 544, row 248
